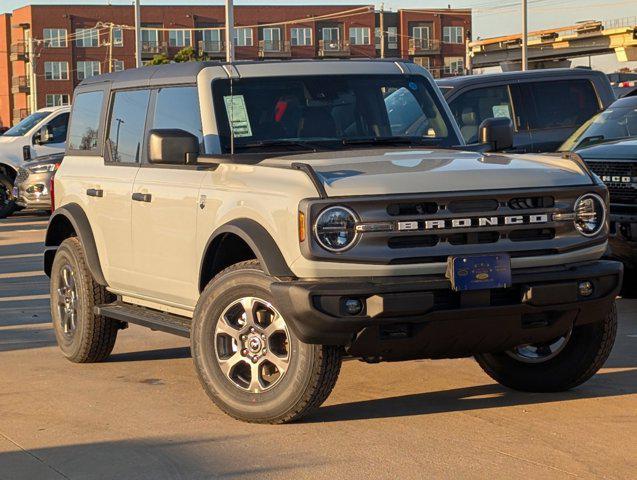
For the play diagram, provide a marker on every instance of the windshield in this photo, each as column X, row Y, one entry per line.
column 330, row 111
column 25, row 125
column 611, row 124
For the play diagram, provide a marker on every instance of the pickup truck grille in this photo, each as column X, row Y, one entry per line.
column 22, row 175
column 620, row 178
column 428, row 228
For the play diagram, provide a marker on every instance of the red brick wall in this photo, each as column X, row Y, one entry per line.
column 6, row 101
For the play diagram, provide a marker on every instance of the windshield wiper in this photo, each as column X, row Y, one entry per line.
column 396, row 140
column 280, row 143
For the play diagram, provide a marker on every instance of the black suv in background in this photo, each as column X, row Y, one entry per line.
column 546, row 106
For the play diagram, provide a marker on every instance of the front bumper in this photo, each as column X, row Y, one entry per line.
column 421, row 317
column 622, row 241
column 33, row 193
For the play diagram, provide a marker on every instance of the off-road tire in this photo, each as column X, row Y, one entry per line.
column 312, row 372
column 94, row 336
column 586, row 352
column 6, row 207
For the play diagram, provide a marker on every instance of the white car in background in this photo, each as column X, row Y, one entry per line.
column 41, row 133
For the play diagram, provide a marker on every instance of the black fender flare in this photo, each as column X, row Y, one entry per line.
column 82, row 227
column 259, row 240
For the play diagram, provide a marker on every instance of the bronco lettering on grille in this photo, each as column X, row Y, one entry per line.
column 473, row 222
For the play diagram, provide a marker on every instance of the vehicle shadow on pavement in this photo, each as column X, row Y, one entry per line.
column 480, row 397
column 158, row 354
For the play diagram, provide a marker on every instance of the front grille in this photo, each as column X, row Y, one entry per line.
column 620, row 178
column 22, row 175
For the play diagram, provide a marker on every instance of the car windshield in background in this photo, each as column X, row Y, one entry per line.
column 25, row 125
column 330, row 112
column 611, row 124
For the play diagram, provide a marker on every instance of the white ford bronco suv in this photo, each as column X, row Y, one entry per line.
column 284, row 214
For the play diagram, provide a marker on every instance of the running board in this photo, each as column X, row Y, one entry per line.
column 146, row 317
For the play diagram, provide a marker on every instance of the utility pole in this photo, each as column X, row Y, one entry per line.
column 33, row 76
column 525, row 35
column 110, row 47
column 138, row 35
column 229, row 31
column 382, row 30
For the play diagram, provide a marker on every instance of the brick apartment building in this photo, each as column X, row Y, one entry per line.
column 45, row 50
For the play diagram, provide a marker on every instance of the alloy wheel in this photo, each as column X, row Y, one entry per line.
column 252, row 344
column 67, row 303
column 540, row 352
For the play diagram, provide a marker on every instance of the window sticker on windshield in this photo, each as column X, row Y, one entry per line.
column 238, row 115
column 501, row 111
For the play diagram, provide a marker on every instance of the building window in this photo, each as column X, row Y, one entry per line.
column 301, row 37
column 454, row 65
column 424, row 62
column 243, row 37
column 87, row 69
column 87, row 37
column 56, row 70
column 212, row 40
column 118, row 37
column 118, row 65
column 359, row 36
column 453, row 35
column 179, row 38
column 391, row 36
column 57, row 99
column 55, row 37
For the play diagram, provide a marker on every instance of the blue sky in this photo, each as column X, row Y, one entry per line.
column 491, row 17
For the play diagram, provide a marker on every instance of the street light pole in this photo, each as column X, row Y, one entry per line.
column 525, row 36
column 229, row 31
column 138, row 35
column 381, row 23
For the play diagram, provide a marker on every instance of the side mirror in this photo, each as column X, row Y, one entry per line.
column 496, row 132
column 171, row 146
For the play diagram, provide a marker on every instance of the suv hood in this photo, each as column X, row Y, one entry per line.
column 396, row 171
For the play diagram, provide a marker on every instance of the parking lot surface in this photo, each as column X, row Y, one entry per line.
column 143, row 414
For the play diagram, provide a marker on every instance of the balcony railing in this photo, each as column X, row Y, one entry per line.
column 20, row 114
column 274, row 49
column 153, row 47
column 212, row 48
column 423, row 45
column 336, row 48
column 20, row 84
column 18, row 51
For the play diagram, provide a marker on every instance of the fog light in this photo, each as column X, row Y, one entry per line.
column 585, row 289
column 353, row 306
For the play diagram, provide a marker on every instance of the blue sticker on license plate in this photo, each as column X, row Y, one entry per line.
column 479, row 272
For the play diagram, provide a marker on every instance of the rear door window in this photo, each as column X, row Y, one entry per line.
column 559, row 104
column 473, row 107
column 85, row 121
column 126, row 125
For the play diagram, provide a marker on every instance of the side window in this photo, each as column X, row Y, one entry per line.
column 178, row 107
column 57, row 128
column 85, row 121
column 126, row 125
column 473, row 107
column 563, row 103
column 406, row 115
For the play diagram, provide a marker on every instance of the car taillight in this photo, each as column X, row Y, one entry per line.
column 52, row 187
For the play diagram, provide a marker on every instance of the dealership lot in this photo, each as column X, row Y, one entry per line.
column 144, row 415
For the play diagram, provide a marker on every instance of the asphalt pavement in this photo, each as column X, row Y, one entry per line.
column 143, row 414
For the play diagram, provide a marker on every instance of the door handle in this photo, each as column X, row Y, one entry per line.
column 95, row 192
column 142, row 197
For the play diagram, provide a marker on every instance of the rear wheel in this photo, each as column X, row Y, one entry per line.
column 248, row 359
column 7, row 204
column 557, row 365
column 83, row 336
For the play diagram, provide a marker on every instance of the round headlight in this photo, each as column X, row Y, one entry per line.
column 335, row 229
column 590, row 214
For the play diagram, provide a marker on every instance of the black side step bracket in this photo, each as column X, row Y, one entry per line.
column 146, row 317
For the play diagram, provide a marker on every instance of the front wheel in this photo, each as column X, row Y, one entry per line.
column 558, row 365
column 248, row 360
column 7, row 204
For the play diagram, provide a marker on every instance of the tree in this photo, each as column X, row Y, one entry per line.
column 187, row 54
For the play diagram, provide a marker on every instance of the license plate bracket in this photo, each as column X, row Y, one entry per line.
column 479, row 272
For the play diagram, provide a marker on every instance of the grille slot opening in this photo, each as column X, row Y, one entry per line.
column 413, row 241
column 468, row 206
column 413, row 208
column 532, row 234
column 528, row 203
column 473, row 238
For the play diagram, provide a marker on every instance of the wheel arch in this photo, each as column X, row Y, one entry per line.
column 8, row 171
column 242, row 239
column 71, row 221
